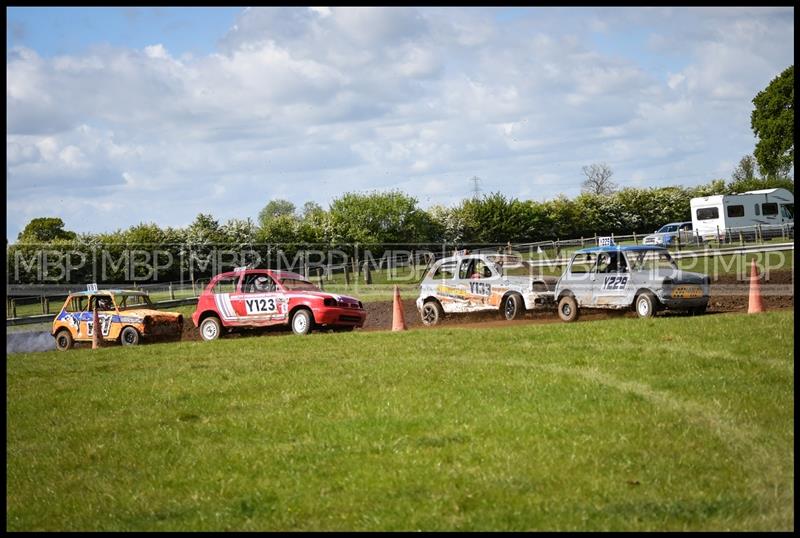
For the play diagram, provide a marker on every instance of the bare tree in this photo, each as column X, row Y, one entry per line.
column 598, row 180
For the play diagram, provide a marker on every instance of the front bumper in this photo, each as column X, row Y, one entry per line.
column 337, row 316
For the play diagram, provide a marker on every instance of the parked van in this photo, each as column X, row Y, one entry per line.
column 713, row 215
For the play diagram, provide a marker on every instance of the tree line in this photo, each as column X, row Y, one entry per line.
column 375, row 221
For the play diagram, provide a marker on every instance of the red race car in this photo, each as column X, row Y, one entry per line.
column 263, row 297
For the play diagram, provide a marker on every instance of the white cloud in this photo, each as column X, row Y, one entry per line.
column 156, row 51
column 308, row 103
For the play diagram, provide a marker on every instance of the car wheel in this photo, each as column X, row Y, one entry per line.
column 513, row 307
column 129, row 337
column 64, row 340
column 431, row 313
column 568, row 308
column 301, row 322
column 210, row 329
column 646, row 305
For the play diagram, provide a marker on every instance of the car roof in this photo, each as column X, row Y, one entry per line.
column 108, row 292
column 621, row 248
column 272, row 272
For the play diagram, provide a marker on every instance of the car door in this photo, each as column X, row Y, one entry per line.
column 611, row 280
column 105, row 313
column 685, row 233
column 226, row 292
column 258, row 300
column 579, row 277
column 472, row 287
column 482, row 280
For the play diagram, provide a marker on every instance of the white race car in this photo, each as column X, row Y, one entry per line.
column 483, row 282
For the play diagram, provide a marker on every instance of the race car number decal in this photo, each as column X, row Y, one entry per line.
column 480, row 288
column 260, row 306
column 105, row 325
column 615, row 282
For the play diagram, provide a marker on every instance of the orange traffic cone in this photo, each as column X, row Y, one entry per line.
column 755, row 304
column 398, row 320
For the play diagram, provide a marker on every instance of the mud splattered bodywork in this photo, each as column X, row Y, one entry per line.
column 481, row 282
column 117, row 310
column 615, row 277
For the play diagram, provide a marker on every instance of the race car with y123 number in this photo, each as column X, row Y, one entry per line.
column 250, row 298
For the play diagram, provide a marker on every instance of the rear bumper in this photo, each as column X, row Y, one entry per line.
column 163, row 328
column 678, row 304
column 350, row 317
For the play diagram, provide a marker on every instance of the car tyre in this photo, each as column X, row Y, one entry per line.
column 64, row 340
column 210, row 329
column 568, row 308
column 432, row 313
column 129, row 337
column 301, row 322
column 646, row 305
column 513, row 307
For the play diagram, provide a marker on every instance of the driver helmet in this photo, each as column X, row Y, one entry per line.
column 262, row 283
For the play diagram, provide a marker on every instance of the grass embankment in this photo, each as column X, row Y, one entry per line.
column 678, row 423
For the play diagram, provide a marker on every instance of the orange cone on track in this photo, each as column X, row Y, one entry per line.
column 755, row 305
column 398, row 320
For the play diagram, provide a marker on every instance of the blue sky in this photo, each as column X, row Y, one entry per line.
column 157, row 114
column 59, row 30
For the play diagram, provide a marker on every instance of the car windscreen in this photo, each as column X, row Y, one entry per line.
column 297, row 284
column 668, row 228
column 128, row 302
column 651, row 260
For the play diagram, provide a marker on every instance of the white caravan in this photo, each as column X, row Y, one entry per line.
column 712, row 215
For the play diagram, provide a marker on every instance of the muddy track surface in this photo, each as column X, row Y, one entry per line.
column 727, row 295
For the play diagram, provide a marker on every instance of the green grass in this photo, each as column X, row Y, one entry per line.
column 676, row 423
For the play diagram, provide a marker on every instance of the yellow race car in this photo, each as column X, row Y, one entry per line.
column 125, row 316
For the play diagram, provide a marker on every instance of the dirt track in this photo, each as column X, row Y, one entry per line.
column 727, row 295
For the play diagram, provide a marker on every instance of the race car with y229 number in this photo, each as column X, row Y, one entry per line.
column 644, row 278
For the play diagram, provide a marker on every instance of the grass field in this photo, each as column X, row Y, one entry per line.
column 679, row 423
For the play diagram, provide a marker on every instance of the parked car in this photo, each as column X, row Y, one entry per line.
column 125, row 316
column 262, row 297
column 670, row 233
column 482, row 282
column 619, row 277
